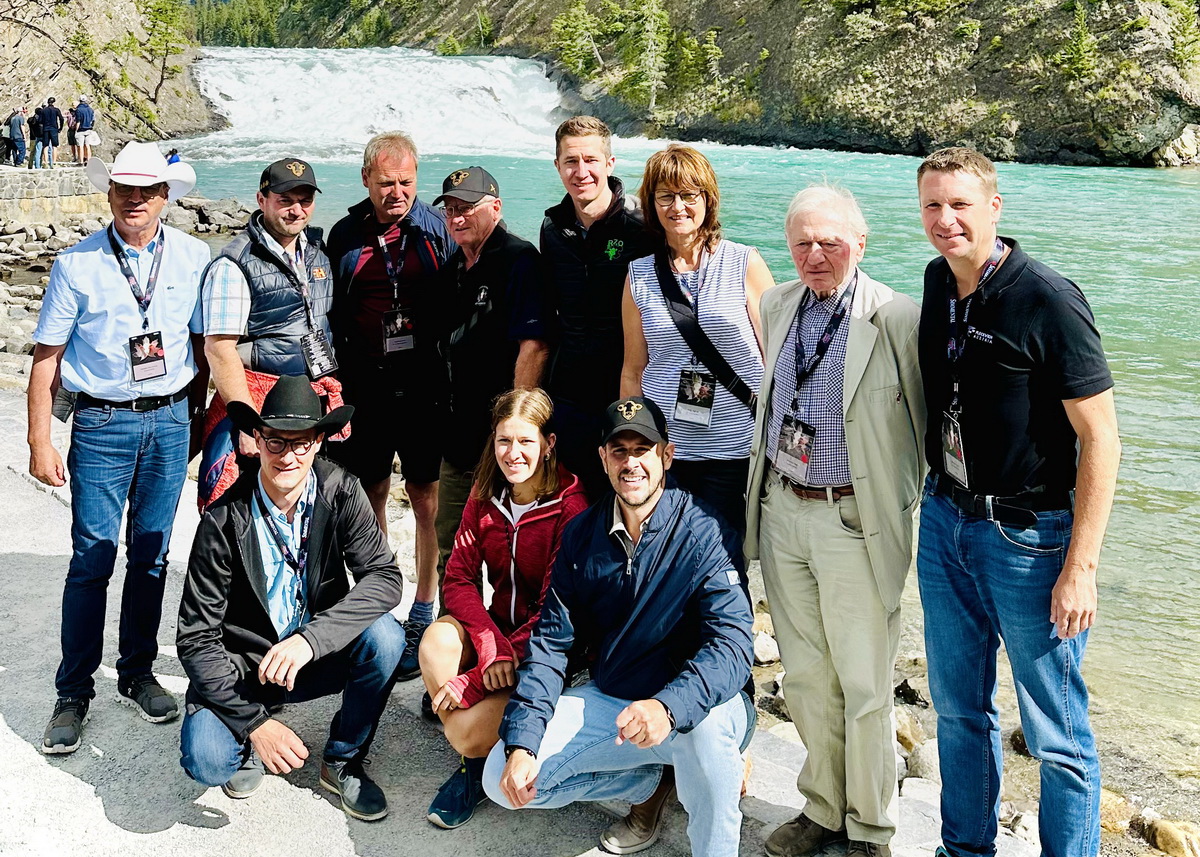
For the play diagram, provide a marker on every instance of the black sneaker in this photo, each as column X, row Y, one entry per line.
column 410, row 666
column 150, row 699
column 65, row 729
column 427, row 708
column 247, row 779
column 455, row 802
column 361, row 797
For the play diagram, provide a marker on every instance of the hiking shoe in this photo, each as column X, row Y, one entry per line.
column 150, row 699
column 65, row 729
column 410, row 666
column 456, row 800
column 638, row 830
column 868, row 849
column 361, row 797
column 247, row 779
column 427, row 708
column 802, row 836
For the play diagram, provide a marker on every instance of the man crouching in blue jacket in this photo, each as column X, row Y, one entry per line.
column 646, row 584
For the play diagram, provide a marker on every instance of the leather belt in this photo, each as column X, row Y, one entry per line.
column 830, row 493
column 1018, row 510
column 146, row 403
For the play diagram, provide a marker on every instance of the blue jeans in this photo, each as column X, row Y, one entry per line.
column 119, row 456
column 982, row 582
column 363, row 673
column 18, row 152
column 36, row 163
column 579, row 760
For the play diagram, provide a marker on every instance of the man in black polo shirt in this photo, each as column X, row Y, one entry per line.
column 1023, row 452
column 587, row 243
column 494, row 331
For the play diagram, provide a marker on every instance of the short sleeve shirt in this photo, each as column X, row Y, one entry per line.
column 1031, row 343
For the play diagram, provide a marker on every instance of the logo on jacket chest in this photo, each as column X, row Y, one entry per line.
column 614, row 248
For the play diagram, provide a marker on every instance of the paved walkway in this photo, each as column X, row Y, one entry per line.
column 123, row 793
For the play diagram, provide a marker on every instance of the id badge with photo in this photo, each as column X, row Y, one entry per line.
column 397, row 331
column 694, row 401
column 318, row 354
column 953, row 457
column 795, row 449
column 147, row 357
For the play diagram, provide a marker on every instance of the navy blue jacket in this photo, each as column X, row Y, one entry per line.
column 673, row 624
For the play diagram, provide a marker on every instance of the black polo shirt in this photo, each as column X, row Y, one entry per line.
column 491, row 307
column 1033, row 344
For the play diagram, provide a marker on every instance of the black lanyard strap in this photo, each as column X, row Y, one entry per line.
column 960, row 331
column 804, row 366
column 392, row 268
column 295, row 561
column 143, row 298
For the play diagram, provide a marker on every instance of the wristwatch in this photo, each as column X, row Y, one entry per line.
column 511, row 748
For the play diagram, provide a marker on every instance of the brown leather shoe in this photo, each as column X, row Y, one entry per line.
column 639, row 830
column 868, row 849
column 801, row 837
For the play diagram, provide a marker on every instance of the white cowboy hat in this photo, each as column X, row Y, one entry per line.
column 140, row 165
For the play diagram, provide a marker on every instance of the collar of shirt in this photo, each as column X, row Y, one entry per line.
column 140, row 260
column 294, row 527
column 301, row 247
column 619, row 530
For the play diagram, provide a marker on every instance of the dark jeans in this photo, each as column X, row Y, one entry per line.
column 363, row 673
column 722, row 485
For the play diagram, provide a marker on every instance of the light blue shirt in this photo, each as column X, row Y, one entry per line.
column 283, row 585
column 89, row 307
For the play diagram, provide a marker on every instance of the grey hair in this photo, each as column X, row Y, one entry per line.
column 390, row 142
column 830, row 200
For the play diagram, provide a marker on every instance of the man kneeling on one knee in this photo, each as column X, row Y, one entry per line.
column 645, row 583
column 268, row 616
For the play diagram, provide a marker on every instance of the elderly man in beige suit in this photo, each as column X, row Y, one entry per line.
column 835, row 472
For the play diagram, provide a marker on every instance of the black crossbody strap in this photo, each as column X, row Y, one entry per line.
column 684, row 316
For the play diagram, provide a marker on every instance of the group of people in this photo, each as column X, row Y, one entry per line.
column 33, row 138
column 599, row 433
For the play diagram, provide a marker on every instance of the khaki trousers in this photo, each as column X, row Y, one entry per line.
column 838, row 643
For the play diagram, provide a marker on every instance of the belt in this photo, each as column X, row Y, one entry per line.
column 1018, row 510
column 830, row 493
column 145, row 403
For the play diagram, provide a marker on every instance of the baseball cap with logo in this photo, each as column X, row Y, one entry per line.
column 287, row 174
column 634, row 413
column 469, row 185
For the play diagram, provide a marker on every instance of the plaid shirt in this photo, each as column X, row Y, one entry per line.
column 226, row 295
column 819, row 402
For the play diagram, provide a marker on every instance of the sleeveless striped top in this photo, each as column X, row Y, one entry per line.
column 718, row 290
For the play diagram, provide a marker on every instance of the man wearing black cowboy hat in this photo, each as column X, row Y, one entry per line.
column 268, row 616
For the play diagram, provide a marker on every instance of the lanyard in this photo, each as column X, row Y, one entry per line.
column 392, row 268
column 297, row 264
column 957, row 345
column 296, row 563
column 804, row 366
column 143, row 298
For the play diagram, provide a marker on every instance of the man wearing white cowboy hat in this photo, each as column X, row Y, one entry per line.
column 117, row 322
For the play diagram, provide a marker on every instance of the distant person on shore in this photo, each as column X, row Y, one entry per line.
column 587, row 242
column 494, row 335
column 288, row 538
column 387, row 253
column 72, row 141
column 52, row 124
column 1023, row 451
column 36, row 143
column 833, row 526
column 138, row 280
column 16, row 129
column 646, row 586
column 266, row 297
column 6, row 139
column 173, row 156
column 85, row 130
column 511, row 530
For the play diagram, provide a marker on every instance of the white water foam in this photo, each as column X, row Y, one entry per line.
column 327, row 103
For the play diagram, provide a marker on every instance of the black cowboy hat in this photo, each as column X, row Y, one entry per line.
column 291, row 405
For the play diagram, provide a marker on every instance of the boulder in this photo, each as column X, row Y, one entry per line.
column 220, row 218
column 923, row 761
column 787, row 731
column 34, row 307
column 766, row 650
column 41, row 233
column 1115, row 812
column 1025, row 826
column 35, row 247
column 762, row 622
column 920, row 789
column 18, row 312
column 181, row 218
column 87, row 227
column 909, row 731
column 1176, row 838
column 1017, row 741
column 55, row 243
column 12, row 228
column 228, row 207
column 193, row 203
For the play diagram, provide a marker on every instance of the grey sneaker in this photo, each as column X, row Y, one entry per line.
column 150, row 699
column 65, row 729
column 247, row 779
column 361, row 797
column 638, row 830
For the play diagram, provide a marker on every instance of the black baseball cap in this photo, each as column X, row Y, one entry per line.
column 287, row 174
column 634, row 413
column 469, row 185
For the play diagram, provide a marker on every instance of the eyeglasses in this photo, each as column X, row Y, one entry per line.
column 666, row 198
column 148, row 191
column 277, row 445
column 453, row 211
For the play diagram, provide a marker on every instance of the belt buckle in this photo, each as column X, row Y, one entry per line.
column 140, row 406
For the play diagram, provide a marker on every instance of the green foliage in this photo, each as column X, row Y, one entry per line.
column 168, row 24
column 573, row 37
column 240, row 23
column 995, row 44
column 1136, row 25
column 968, row 29
column 84, row 49
column 1185, row 33
column 643, row 51
column 1077, row 57
column 484, row 33
column 124, row 46
column 449, row 47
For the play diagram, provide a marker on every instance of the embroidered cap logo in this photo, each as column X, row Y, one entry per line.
column 629, row 409
column 296, row 168
column 458, row 177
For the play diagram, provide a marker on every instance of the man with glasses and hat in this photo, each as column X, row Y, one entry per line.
column 269, row 616
column 494, row 331
column 266, row 298
column 117, row 326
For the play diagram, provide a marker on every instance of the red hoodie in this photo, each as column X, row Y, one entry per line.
column 518, row 559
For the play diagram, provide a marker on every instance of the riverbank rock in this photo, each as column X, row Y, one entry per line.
column 924, row 763
column 909, row 732
column 1176, row 838
column 766, row 650
column 1115, row 812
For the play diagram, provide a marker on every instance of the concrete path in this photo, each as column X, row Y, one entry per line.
column 124, row 794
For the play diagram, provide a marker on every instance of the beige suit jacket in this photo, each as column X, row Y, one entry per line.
column 884, row 409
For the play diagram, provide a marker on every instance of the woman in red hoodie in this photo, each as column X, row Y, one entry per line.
column 512, row 526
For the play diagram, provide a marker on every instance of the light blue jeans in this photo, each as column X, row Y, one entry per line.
column 580, row 760
column 982, row 582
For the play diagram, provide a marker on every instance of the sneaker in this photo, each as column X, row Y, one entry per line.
column 801, row 837
column 150, row 699
column 638, row 830
column 247, row 779
column 456, row 800
column 410, row 666
column 65, row 729
column 427, row 708
column 361, row 797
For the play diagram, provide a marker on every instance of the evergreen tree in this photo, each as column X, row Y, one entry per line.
column 167, row 24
